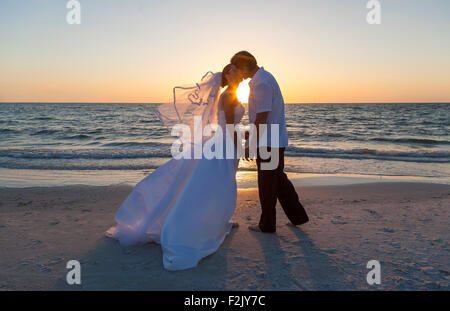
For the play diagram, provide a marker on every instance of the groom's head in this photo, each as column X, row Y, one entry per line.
column 245, row 64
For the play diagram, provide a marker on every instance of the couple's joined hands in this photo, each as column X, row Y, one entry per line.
column 247, row 155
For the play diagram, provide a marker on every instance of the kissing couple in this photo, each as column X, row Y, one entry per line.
column 186, row 204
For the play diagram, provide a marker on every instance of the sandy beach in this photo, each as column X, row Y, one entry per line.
column 405, row 226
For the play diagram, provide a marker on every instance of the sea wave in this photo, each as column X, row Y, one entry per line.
column 84, row 153
column 7, row 130
column 134, row 144
column 366, row 153
column 79, row 166
column 138, row 150
column 411, row 141
column 44, row 132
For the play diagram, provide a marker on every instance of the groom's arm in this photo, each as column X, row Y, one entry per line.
column 263, row 101
column 261, row 118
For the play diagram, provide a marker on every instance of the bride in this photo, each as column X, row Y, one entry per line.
column 186, row 204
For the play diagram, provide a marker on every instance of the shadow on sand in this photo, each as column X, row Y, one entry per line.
column 288, row 265
column 110, row 266
column 298, row 265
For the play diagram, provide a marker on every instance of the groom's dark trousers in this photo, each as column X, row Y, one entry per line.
column 272, row 185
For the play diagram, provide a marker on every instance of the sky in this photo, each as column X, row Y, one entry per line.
column 320, row 51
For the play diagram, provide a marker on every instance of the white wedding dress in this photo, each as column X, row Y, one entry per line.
column 185, row 205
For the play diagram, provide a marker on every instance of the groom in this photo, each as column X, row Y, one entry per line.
column 266, row 106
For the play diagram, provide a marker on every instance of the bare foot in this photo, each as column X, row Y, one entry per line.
column 234, row 225
column 254, row 228
column 296, row 226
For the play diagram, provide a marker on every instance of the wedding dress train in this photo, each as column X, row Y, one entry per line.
column 185, row 206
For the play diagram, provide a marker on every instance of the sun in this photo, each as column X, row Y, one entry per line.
column 243, row 91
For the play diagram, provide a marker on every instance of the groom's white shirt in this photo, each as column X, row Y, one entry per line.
column 265, row 95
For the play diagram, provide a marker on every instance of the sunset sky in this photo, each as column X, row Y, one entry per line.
column 137, row 50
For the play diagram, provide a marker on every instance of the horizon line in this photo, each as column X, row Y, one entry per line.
column 156, row 103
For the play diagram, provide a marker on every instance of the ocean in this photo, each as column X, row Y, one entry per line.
column 56, row 143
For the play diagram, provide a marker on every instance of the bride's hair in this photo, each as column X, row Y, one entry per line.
column 225, row 70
